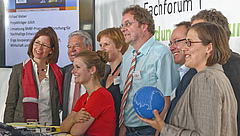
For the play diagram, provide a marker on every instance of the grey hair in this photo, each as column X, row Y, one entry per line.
column 87, row 37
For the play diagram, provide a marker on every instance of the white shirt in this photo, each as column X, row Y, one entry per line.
column 183, row 70
column 44, row 101
column 71, row 93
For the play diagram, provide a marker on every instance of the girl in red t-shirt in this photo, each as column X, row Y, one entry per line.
column 94, row 112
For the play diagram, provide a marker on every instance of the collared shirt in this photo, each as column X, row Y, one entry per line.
column 183, row 70
column 71, row 93
column 44, row 101
column 157, row 69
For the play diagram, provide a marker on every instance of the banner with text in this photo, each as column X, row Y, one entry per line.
column 167, row 13
column 24, row 18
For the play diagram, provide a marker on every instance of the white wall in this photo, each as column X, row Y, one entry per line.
column 4, row 77
column 108, row 13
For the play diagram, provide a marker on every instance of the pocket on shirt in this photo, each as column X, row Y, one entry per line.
column 147, row 79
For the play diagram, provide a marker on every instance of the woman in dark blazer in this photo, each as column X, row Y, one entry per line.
column 35, row 85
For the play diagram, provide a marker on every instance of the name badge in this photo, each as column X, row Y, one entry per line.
column 136, row 75
column 173, row 94
column 116, row 80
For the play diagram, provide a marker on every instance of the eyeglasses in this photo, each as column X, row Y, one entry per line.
column 126, row 24
column 43, row 45
column 189, row 43
column 175, row 42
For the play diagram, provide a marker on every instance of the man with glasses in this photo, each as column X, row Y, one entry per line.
column 177, row 41
column 152, row 66
column 232, row 66
column 77, row 41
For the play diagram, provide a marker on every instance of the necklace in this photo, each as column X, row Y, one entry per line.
column 43, row 69
column 115, row 69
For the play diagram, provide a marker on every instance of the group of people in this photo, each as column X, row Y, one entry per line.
column 197, row 76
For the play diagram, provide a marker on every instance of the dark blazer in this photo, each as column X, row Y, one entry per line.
column 179, row 91
column 14, row 104
column 232, row 71
column 67, row 76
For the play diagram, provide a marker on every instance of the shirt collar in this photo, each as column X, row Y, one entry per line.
column 144, row 49
column 215, row 67
column 183, row 68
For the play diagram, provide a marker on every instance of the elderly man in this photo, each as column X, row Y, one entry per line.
column 77, row 41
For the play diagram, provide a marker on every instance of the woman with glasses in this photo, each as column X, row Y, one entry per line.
column 35, row 85
column 208, row 107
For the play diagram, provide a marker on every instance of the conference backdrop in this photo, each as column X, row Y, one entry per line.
column 167, row 13
column 23, row 18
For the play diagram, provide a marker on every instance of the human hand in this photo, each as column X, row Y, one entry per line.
column 157, row 123
column 123, row 130
column 82, row 116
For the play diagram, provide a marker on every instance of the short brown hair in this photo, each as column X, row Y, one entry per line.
column 187, row 24
column 48, row 31
column 213, row 16
column 215, row 34
column 97, row 59
column 116, row 36
column 143, row 16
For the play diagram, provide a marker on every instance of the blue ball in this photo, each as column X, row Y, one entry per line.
column 147, row 99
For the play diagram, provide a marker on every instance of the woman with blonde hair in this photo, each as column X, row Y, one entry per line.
column 97, row 104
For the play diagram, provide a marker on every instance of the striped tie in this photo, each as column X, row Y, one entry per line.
column 127, row 88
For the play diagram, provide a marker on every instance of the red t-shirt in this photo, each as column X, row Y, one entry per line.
column 100, row 105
